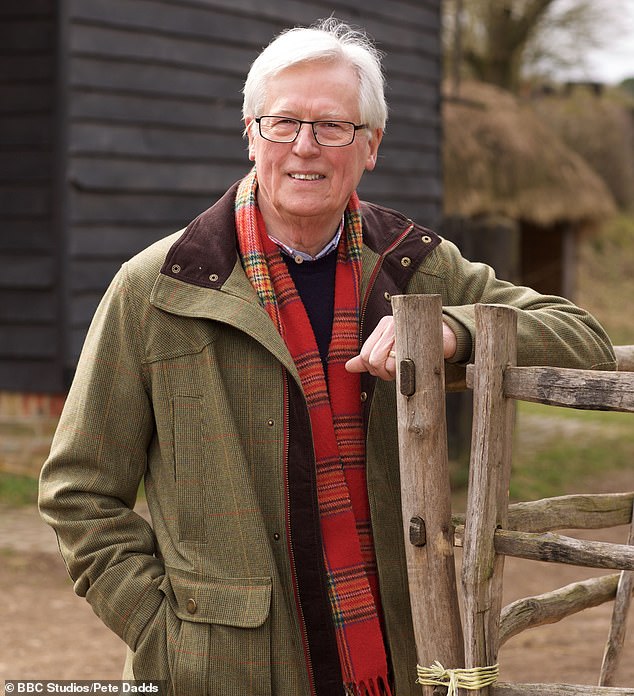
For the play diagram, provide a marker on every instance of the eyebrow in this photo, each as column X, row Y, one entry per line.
column 293, row 114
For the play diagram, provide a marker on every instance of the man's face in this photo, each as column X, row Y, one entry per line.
column 305, row 183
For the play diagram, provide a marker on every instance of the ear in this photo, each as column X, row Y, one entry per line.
column 373, row 148
column 249, row 125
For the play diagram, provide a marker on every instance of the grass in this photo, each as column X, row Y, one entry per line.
column 606, row 277
column 17, row 490
column 559, row 450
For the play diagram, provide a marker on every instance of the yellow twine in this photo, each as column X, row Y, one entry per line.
column 454, row 679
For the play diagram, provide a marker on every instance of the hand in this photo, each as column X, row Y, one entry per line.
column 376, row 356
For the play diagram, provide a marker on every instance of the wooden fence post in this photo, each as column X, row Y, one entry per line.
column 425, row 487
column 616, row 636
column 489, row 475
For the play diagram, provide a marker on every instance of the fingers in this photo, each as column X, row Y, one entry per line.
column 377, row 356
column 449, row 341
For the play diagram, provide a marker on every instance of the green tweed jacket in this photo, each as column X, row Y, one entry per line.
column 185, row 384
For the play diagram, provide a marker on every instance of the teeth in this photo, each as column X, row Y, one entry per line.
column 307, row 177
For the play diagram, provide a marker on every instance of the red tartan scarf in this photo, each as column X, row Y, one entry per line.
column 338, row 438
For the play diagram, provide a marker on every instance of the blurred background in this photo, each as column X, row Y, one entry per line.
column 511, row 132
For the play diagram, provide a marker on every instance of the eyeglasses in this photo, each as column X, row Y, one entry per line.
column 279, row 129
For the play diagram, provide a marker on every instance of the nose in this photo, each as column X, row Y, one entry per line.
column 305, row 143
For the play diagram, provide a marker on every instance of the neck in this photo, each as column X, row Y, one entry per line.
column 309, row 235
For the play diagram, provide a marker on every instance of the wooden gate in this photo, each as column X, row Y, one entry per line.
column 461, row 657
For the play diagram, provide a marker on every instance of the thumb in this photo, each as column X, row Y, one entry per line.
column 355, row 364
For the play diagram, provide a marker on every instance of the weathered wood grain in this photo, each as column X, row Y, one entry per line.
column 581, row 511
column 583, row 389
column 593, row 511
column 551, row 607
column 425, row 488
column 502, row 689
column 616, row 637
column 625, row 358
column 525, row 530
column 489, row 475
column 555, row 548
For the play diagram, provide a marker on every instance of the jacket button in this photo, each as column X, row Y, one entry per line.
column 191, row 606
column 425, row 239
column 270, row 422
column 406, row 261
column 387, row 296
column 213, row 277
column 364, row 396
column 176, row 268
column 276, row 536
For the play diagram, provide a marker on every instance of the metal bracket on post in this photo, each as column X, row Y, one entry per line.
column 417, row 531
column 407, row 383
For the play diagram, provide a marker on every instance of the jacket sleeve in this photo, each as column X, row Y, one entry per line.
column 550, row 330
column 89, row 483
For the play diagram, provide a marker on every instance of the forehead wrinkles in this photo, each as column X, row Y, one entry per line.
column 295, row 104
column 313, row 90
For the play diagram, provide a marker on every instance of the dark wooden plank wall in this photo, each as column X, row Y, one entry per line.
column 155, row 104
column 30, row 309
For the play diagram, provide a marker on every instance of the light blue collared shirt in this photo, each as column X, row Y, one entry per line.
column 301, row 256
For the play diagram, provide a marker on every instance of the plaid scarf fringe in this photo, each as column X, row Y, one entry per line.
column 370, row 688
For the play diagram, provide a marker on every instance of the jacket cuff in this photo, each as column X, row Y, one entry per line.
column 127, row 596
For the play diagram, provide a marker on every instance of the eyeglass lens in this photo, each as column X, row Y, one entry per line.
column 285, row 130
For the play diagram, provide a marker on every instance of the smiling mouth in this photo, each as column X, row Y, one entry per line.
column 307, row 177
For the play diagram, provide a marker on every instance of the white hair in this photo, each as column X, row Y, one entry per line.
column 327, row 40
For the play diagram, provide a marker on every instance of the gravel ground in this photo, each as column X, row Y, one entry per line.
column 49, row 633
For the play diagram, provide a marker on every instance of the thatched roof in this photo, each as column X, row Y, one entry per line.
column 600, row 129
column 501, row 159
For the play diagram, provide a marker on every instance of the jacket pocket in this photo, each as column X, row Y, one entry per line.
column 223, row 647
column 189, row 466
column 153, row 658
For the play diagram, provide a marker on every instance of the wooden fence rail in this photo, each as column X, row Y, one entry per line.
column 550, row 607
column 581, row 511
column 558, row 386
column 558, row 690
column 625, row 357
column 554, row 548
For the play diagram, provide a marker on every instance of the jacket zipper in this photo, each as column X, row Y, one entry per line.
column 300, row 614
column 291, row 555
column 375, row 273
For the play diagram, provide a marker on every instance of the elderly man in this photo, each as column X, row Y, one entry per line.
column 233, row 368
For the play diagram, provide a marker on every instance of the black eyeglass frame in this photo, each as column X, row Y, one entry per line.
column 312, row 124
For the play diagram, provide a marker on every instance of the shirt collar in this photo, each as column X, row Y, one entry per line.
column 301, row 256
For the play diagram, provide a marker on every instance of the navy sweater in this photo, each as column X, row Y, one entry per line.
column 315, row 283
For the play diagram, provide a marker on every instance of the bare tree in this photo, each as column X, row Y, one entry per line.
column 503, row 41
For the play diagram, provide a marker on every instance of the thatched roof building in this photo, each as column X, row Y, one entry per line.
column 600, row 128
column 515, row 195
column 500, row 158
